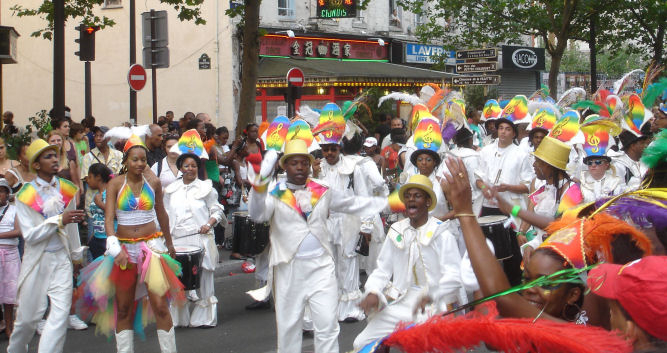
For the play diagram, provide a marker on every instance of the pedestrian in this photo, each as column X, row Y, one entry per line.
column 8, row 121
column 6, row 164
column 77, row 134
column 139, row 259
column 371, row 150
column 69, row 168
column 98, row 178
column 166, row 169
column 10, row 261
column 417, row 272
column 47, row 216
column 193, row 209
column 301, row 255
column 154, row 140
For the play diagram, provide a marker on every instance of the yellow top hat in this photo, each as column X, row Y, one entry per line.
column 554, row 152
column 295, row 147
column 35, row 149
column 420, row 182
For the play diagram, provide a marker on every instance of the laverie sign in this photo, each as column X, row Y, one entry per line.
column 426, row 54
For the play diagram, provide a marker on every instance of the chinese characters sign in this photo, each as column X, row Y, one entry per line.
column 336, row 8
column 311, row 47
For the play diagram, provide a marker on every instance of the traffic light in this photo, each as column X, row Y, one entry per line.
column 86, row 42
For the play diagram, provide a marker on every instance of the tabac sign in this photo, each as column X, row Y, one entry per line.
column 321, row 47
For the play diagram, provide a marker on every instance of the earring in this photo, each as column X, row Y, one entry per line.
column 568, row 309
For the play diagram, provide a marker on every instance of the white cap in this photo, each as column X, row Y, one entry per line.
column 370, row 141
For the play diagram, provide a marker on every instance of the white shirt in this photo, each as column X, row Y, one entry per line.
column 7, row 224
column 47, row 191
column 191, row 206
column 166, row 176
column 609, row 185
column 509, row 165
column 624, row 165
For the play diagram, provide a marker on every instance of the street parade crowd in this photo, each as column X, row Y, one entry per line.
column 528, row 225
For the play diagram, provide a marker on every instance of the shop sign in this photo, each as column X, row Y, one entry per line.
column 523, row 58
column 336, row 8
column 426, row 54
column 312, row 47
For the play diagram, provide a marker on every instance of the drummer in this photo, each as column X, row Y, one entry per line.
column 193, row 209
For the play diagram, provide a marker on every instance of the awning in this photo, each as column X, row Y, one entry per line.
column 272, row 73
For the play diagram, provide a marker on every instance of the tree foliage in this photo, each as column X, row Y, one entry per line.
column 188, row 10
column 641, row 25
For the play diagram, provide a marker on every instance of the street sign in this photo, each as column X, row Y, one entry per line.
column 486, row 53
column 136, row 77
column 161, row 29
column 476, row 67
column 476, row 80
column 295, row 77
column 204, row 62
column 161, row 57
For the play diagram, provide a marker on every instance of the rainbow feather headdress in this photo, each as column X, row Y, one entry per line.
column 276, row 134
column 427, row 135
column 516, row 110
column 634, row 116
column 190, row 143
column 544, row 118
column 331, row 125
column 300, row 129
column 491, row 110
column 597, row 131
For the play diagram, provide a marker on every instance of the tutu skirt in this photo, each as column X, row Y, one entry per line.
column 149, row 269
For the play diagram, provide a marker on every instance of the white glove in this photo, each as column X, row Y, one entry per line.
column 268, row 163
column 113, row 246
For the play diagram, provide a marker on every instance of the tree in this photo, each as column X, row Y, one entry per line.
column 641, row 27
column 249, row 60
column 85, row 9
column 476, row 23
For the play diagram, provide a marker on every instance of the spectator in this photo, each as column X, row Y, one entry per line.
column 154, row 144
column 76, row 132
column 98, row 177
column 384, row 128
column 396, row 123
column 165, row 169
column 68, row 168
column 8, row 120
column 5, row 163
column 371, row 149
column 88, row 126
column 172, row 125
column 10, row 261
column 63, row 128
column 204, row 117
column 20, row 174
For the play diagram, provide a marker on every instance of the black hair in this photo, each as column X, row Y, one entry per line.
column 100, row 170
column 566, row 265
column 352, row 146
column 624, row 249
column 170, row 137
column 74, row 129
column 221, row 130
column 88, row 122
column 210, row 130
column 192, row 123
column 123, row 169
column 181, row 159
column 397, row 136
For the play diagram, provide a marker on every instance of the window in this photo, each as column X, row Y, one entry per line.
column 395, row 13
column 112, row 4
column 420, row 19
column 286, row 8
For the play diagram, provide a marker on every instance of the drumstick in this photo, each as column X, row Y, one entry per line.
column 497, row 176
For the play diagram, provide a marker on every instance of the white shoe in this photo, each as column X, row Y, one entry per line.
column 40, row 326
column 75, row 323
column 125, row 341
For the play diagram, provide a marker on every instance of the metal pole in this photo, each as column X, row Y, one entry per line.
column 59, row 59
column 133, row 60
column 593, row 53
column 154, row 65
column 88, row 92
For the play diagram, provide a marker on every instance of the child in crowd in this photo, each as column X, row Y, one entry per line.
column 77, row 133
column 98, row 178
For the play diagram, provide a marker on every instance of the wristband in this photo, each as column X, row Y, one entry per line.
column 113, row 246
column 520, row 233
column 515, row 210
column 483, row 186
column 464, row 215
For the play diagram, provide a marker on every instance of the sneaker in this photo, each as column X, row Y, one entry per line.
column 75, row 323
column 40, row 326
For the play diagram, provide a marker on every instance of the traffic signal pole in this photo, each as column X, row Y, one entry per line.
column 154, row 65
column 88, row 92
column 59, row 59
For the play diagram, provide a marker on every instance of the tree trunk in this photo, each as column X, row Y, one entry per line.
column 556, row 58
column 249, row 63
column 659, row 45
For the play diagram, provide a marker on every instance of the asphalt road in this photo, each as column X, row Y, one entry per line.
column 238, row 330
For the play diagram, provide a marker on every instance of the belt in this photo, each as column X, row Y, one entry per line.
column 140, row 239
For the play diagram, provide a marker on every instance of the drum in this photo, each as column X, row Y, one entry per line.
column 253, row 237
column 190, row 258
column 494, row 229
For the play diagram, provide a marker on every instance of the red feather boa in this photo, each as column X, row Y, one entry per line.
column 451, row 334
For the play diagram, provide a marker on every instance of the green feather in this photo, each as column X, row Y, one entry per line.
column 654, row 91
column 656, row 152
column 570, row 275
column 586, row 104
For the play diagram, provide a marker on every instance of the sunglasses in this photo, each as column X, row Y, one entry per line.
column 597, row 162
column 329, row 148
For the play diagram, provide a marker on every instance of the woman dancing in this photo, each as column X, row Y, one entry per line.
column 139, row 261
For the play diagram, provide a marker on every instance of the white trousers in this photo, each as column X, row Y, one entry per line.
column 347, row 272
column 306, row 282
column 205, row 309
column 384, row 322
column 51, row 278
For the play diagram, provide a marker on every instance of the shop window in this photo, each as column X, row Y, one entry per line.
column 395, row 13
column 112, row 4
column 286, row 9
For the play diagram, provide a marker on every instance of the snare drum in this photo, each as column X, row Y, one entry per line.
column 190, row 258
column 494, row 229
column 253, row 237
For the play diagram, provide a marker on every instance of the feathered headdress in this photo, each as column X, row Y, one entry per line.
column 654, row 91
column 519, row 335
column 491, row 109
column 656, row 152
column 634, row 116
column 300, row 129
column 120, row 133
column 401, row 97
column 133, row 141
column 570, row 97
column 277, row 133
column 645, row 207
column 629, row 81
column 331, row 128
column 545, row 118
column 190, row 143
column 312, row 117
column 597, row 131
column 516, row 111
column 567, row 127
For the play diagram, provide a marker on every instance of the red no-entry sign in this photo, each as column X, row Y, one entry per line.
column 136, row 77
column 295, row 77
